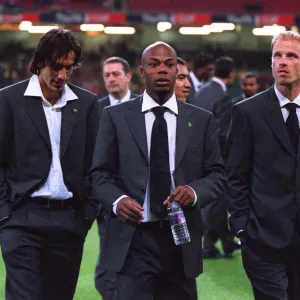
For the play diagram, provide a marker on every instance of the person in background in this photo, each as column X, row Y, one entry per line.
column 182, row 84
column 116, row 77
column 214, row 98
column 201, row 74
column 48, row 129
column 249, row 85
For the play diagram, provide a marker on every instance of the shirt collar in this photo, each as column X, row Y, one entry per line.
column 34, row 90
column 196, row 82
column 219, row 81
column 149, row 103
column 283, row 100
column 114, row 100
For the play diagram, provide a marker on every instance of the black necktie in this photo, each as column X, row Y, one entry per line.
column 292, row 124
column 160, row 178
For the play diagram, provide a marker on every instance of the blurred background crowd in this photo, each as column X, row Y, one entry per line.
column 250, row 52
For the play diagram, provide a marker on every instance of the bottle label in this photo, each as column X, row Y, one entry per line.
column 177, row 218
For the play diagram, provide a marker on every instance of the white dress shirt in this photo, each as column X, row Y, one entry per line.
column 114, row 101
column 54, row 188
column 171, row 119
column 221, row 83
column 283, row 101
column 196, row 82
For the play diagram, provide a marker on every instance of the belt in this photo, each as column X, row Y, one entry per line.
column 154, row 225
column 51, row 203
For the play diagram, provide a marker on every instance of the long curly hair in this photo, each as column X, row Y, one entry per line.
column 55, row 44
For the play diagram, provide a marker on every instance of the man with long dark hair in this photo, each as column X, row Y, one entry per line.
column 47, row 134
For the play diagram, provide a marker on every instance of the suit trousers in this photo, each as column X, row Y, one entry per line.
column 42, row 250
column 274, row 273
column 216, row 222
column 105, row 280
column 153, row 269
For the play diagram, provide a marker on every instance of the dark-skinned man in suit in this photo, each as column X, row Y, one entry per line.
column 202, row 73
column 138, row 169
column 249, row 85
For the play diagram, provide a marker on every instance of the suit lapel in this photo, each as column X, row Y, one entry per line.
column 68, row 120
column 136, row 122
column 274, row 118
column 107, row 102
column 34, row 107
column 183, row 131
column 298, row 151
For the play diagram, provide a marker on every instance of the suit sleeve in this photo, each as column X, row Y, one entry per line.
column 212, row 185
column 92, row 130
column 222, row 113
column 238, row 156
column 103, row 174
column 101, row 107
column 6, row 137
column 196, row 99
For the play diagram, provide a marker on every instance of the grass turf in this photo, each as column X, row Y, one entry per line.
column 223, row 279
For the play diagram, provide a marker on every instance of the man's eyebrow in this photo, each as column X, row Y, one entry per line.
column 170, row 59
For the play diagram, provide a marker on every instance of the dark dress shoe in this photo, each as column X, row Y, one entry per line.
column 229, row 248
column 212, row 252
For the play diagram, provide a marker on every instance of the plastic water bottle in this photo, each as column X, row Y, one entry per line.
column 179, row 227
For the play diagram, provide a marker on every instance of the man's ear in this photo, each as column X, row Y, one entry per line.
column 142, row 71
column 129, row 76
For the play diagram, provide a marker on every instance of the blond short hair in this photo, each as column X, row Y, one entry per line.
column 286, row 35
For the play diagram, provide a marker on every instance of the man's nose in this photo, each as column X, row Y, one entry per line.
column 162, row 69
column 187, row 83
column 63, row 74
column 111, row 78
column 283, row 60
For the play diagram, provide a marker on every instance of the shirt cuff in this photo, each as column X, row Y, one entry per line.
column 114, row 208
column 195, row 201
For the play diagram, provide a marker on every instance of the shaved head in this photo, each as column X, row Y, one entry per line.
column 154, row 45
column 159, row 70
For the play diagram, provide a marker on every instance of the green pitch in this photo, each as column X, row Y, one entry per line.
column 222, row 279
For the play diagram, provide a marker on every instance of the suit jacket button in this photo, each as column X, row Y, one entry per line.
column 293, row 220
column 143, row 190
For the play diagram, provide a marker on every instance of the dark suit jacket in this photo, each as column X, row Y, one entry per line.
column 192, row 93
column 263, row 170
column 238, row 99
column 121, row 167
column 103, row 102
column 25, row 150
column 213, row 98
